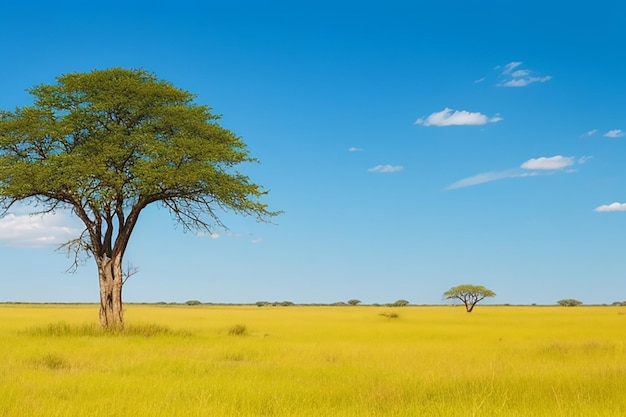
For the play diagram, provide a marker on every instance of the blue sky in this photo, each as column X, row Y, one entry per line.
column 412, row 146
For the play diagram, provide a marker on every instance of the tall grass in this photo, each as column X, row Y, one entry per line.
column 314, row 361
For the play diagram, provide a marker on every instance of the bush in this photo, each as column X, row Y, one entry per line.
column 400, row 303
column 52, row 362
column 193, row 302
column 570, row 302
column 390, row 314
column 263, row 303
column 238, row 330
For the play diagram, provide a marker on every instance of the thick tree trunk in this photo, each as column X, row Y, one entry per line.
column 111, row 280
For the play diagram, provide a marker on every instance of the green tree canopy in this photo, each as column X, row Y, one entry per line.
column 469, row 294
column 569, row 302
column 109, row 143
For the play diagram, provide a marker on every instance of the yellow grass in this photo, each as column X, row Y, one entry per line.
column 314, row 361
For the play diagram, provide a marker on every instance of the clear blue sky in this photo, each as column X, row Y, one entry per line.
column 413, row 146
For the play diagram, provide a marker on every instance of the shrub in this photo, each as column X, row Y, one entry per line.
column 52, row 362
column 238, row 330
column 390, row 314
column 400, row 303
column 263, row 303
column 193, row 302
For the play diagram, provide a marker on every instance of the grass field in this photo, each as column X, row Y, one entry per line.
column 314, row 361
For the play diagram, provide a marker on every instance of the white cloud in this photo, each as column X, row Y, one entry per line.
column 512, row 77
column 449, row 117
column 554, row 162
column 611, row 207
column 615, row 133
column 584, row 159
column 591, row 132
column 531, row 168
column 24, row 230
column 480, row 80
column 212, row 235
column 509, row 67
column 386, row 168
column 520, row 73
column 523, row 82
column 355, row 149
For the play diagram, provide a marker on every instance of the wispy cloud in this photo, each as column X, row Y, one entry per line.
column 232, row 235
column 483, row 178
column 591, row 132
column 531, row 168
column 386, row 169
column 511, row 75
column 615, row 133
column 212, row 235
column 355, row 149
column 510, row 67
column 611, row 207
column 31, row 231
column 449, row 117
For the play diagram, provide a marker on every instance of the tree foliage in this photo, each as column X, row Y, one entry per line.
column 569, row 302
column 469, row 294
column 106, row 145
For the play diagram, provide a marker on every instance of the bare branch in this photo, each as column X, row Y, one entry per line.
column 78, row 250
column 130, row 271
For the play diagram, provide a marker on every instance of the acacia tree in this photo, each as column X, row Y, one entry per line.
column 109, row 143
column 569, row 302
column 470, row 295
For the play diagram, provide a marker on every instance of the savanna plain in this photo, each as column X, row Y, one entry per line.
column 209, row 360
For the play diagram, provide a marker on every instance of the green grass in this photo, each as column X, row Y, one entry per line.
column 313, row 361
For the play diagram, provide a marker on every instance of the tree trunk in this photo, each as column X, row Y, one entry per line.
column 111, row 280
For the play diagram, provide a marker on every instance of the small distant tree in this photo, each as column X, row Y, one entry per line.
column 469, row 294
column 193, row 302
column 400, row 303
column 354, row 302
column 569, row 302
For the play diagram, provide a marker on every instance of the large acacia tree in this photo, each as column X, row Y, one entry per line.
column 469, row 294
column 109, row 143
